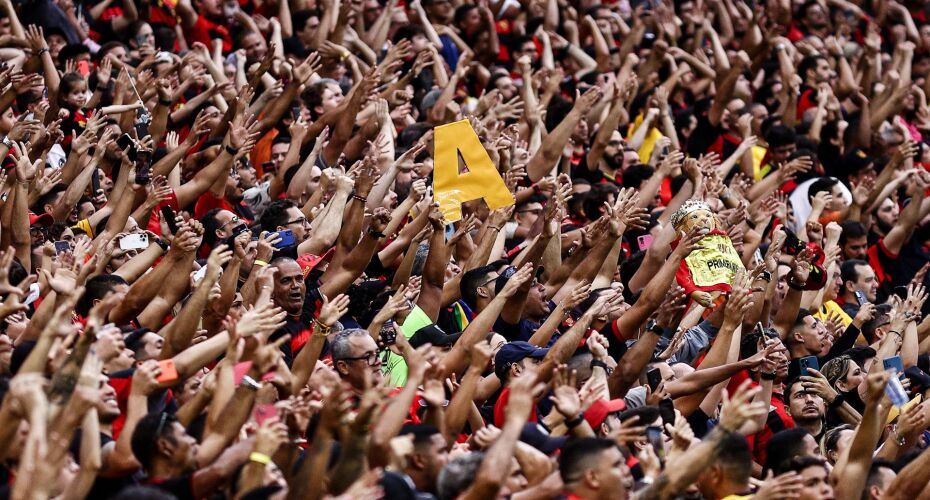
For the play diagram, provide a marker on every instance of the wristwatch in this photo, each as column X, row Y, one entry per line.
column 653, row 326
column 6, row 141
column 766, row 276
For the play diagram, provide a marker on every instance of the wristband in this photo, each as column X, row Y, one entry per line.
column 163, row 244
column 767, row 375
column 259, row 262
column 250, row 383
column 571, row 423
column 496, row 228
column 597, row 362
column 259, row 458
column 232, row 151
column 375, row 234
column 796, row 286
column 42, row 51
column 362, row 199
column 166, row 102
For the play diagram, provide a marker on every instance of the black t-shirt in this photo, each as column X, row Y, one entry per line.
column 704, row 135
column 181, row 487
column 104, row 487
column 298, row 327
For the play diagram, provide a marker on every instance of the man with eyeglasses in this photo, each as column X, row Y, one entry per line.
column 354, row 351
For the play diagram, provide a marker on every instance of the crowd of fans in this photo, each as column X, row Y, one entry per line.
column 224, row 272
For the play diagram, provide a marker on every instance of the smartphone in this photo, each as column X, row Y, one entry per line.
column 124, row 141
column 169, row 373
column 264, row 412
column 644, row 242
column 388, row 335
column 62, row 246
column 759, row 329
column 808, row 362
column 167, row 213
column 83, row 68
column 657, row 440
column 667, row 411
column 900, row 291
column 143, row 168
column 95, row 182
column 894, row 362
column 654, row 378
column 860, row 297
column 295, row 112
column 287, row 239
column 137, row 241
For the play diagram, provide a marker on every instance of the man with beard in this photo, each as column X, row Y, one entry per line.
column 118, row 464
column 806, row 407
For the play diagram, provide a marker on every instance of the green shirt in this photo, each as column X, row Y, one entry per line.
column 395, row 368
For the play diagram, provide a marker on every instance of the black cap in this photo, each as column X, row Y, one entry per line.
column 538, row 437
column 856, row 160
column 514, row 352
column 432, row 334
column 507, row 273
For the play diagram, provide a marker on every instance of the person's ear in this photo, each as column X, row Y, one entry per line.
column 417, row 460
column 798, row 337
column 605, row 428
column 591, row 479
column 482, row 292
column 515, row 370
column 165, row 447
column 342, row 367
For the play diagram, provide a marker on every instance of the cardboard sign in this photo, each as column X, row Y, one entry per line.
column 480, row 181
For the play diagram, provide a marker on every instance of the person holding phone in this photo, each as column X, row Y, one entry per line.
column 857, row 276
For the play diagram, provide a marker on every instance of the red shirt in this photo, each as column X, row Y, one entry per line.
column 205, row 30
column 501, row 405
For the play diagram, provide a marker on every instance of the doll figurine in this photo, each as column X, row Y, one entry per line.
column 708, row 271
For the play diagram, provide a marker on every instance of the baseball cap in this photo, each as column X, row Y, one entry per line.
column 601, row 408
column 432, row 334
column 856, row 160
column 514, row 352
column 507, row 273
column 45, row 219
column 309, row 261
column 538, row 437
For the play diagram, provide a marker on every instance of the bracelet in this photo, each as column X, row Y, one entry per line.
column 232, row 151
column 767, row 375
column 163, row 244
column 259, row 262
column 837, row 401
column 375, row 234
column 898, row 334
column 259, row 458
column 166, row 102
column 323, row 329
column 597, row 362
column 796, row 286
column 362, row 199
column 900, row 440
column 496, row 228
column 571, row 423
column 42, row 51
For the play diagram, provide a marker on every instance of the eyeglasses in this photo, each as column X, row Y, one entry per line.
column 299, row 220
column 234, row 220
column 370, row 357
column 161, row 423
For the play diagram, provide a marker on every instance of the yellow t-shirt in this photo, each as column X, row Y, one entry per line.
column 84, row 225
column 759, row 171
column 649, row 143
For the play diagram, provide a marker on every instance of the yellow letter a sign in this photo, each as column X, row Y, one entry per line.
column 481, row 181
